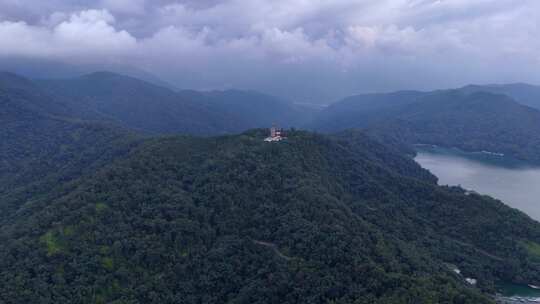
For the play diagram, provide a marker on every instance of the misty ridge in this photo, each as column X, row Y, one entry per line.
column 508, row 113
column 180, row 151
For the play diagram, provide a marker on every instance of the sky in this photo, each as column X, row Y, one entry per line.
column 309, row 51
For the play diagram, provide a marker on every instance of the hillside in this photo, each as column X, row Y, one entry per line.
column 360, row 111
column 43, row 68
column 523, row 93
column 41, row 148
column 256, row 110
column 25, row 94
column 136, row 104
column 473, row 122
column 143, row 106
column 313, row 219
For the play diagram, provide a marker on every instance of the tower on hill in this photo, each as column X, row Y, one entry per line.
column 275, row 135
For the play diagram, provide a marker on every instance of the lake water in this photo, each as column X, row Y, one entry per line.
column 513, row 182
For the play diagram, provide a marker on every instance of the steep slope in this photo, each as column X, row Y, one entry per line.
column 34, row 68
column 142, row 106
column 136, row 104
column 523, row 93
column 233, row 219
column 41, row 148
column 28, row 96
column 473, row 122
column 360, row 111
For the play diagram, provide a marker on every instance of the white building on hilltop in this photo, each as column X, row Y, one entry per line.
column 275, row 135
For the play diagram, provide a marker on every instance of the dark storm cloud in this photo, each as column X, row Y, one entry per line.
column 299, row 48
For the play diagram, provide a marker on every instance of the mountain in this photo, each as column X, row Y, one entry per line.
column 360, row 111
column 33, row 68
column 523, row 93
column 28, row 95
column 473, row 122
column 254, row 109
column 49, row 138
column 142, row 106
column 312, row 219
column 41, row 148
column 91, row 211
column 136, row 104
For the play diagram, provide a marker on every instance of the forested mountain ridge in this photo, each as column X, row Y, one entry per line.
column 53, row 69
column 360, row 111
column 477, row 121
column 523, row 93
column 41, row 148
column 142, row 106
column 136, row 104
column 28, row 96
column 255, row 109
column 312, row 219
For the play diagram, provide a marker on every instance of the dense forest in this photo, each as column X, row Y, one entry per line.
column 467, row 118
column 313, row 219
column 40, row 147
column 146, row 107
column 93, row 212
column 477, row 121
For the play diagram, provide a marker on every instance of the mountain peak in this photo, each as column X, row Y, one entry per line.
column 14, row 81
column 105, row 75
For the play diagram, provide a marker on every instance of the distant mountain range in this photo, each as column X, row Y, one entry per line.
column 146, row 107
column 523, row 93
column 52, row 69
column 469, row 118
column 496, row 118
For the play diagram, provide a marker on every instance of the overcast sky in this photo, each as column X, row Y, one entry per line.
column 311, row 51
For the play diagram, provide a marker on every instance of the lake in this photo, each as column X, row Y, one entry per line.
column 515, row 183
column 511, row 181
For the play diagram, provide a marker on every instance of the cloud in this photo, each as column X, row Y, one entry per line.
column 83, row 34
column 129, row 7
column 305, row 49
column 92, row 30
